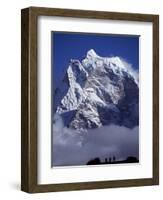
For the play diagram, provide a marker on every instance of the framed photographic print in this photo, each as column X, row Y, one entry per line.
column 90, row 100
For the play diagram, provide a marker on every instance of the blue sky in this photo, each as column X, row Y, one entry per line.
column 66, row 46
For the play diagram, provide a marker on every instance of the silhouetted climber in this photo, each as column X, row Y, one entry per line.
column 109, row 159
column 106, row 161
column 113, row 158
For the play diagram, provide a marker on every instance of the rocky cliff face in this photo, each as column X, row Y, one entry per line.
column 98, row 91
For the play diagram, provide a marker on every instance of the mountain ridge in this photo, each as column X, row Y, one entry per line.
column 98, row 91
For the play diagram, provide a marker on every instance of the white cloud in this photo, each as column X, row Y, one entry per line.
column 134, row 73
column 71, row 147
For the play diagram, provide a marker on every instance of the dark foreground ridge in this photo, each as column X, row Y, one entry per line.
column 97, row 161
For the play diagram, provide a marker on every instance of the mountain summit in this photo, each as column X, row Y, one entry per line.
column 98, row 91
column 91, row 54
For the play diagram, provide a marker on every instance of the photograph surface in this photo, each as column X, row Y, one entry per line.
column 95, row 99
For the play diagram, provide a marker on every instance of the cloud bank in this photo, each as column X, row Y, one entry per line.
column 71, row 147
column 134, row 72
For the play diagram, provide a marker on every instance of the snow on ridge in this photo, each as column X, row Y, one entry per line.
column 94, row 85
column 92, row 54
column 117, row 64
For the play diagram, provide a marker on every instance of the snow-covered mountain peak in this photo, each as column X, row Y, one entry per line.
column 93, row 61
column 92, row 54
column 97, row 91
column 117, row 62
